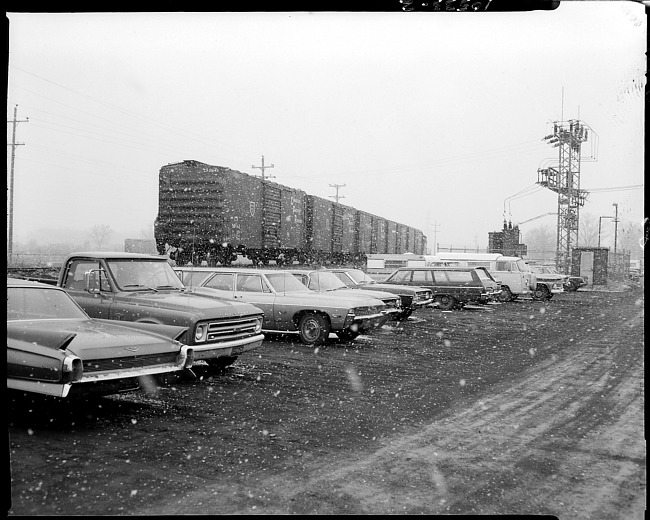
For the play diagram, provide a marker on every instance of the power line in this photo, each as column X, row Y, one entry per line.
column 615, row 188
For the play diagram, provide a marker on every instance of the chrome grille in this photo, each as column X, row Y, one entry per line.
column 228, row 329
column 368, row 311
column 114, row 364
column 391, row 303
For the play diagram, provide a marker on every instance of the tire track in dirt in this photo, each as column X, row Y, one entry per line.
column 513, row 452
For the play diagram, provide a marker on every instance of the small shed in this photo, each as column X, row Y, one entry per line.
column 599, row 264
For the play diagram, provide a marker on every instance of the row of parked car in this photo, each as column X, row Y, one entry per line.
column 112, row 319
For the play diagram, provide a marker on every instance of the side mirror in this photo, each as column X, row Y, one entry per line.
column 91, row 281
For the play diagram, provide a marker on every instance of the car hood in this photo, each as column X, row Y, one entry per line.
column 379, row 295
column 549, row 277
column 190, row 302
column 308, row 298
column 89, row 339
column 404, row 289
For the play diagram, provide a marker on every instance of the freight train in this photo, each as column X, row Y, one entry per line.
column 211, row 214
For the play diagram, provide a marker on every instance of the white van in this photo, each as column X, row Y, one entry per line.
column 386, row 263
column 513, row 272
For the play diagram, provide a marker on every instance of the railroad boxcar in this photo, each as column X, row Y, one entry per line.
column 210, row 214
column 391, row 240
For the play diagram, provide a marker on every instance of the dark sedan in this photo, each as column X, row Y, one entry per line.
column 412, row 297
column 55, row 348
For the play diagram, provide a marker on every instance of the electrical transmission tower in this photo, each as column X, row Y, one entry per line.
column 568, row 136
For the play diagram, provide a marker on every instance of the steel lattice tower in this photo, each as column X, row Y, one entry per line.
column 568, row 136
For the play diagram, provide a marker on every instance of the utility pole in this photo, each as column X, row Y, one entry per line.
column 13, row 144
column 337, row 197
column 615, row 225
column 263, row 167
column 435, row 237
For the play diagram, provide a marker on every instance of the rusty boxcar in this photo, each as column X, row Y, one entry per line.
column 212, row 213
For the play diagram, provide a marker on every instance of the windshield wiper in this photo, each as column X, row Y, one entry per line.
column 140, row 285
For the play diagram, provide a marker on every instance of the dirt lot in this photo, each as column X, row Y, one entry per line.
column 519, row 408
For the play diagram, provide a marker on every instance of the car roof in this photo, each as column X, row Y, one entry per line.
column 231, row 270
column 18, row 282
column 437, row 268
column 118, row 254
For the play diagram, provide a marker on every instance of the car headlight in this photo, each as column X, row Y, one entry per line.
column 200, row 333
column 258, row 325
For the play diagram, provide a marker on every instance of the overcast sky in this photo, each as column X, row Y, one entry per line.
column 434, row 120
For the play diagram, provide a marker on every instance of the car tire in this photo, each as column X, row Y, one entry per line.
column 404, row 315
column 313, row 329
column 445, row 302
column 505, row 295
column 541, row 293
column 347, row 334
column 221, row 363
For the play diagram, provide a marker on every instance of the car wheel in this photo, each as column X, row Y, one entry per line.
column 541, row 292
column 404, row 315
column 347, row 334
column 505, row 295
column 313, row 329
column 445, row 302
column 221, row 362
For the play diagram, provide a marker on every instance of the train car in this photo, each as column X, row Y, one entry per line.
column 211, row 214
column 319, row 227
column 364, row 232
column 402, row 239
column 349, row 232
column 391, row 240
column 419, row 242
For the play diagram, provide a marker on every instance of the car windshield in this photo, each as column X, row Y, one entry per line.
column 523, row 266
column 325, row 281
column 286, row 282
column 134, row 275
column 359, row 276
column 194, row 278
column 38, row 303
column 482, row 274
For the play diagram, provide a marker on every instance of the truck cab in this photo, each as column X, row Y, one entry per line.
column 145, row 288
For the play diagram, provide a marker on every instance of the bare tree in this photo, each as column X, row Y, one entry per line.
column 588, row 230
column 99, row 235
column 541, row 243
column 630, row 238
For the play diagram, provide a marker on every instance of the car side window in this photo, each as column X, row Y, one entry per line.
column 76, row 271
column 221, row 281
column 460, row 276
column 250, row 283
column 440, row 276
column 421, row 276
column 502, row 266
column 401, row 276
